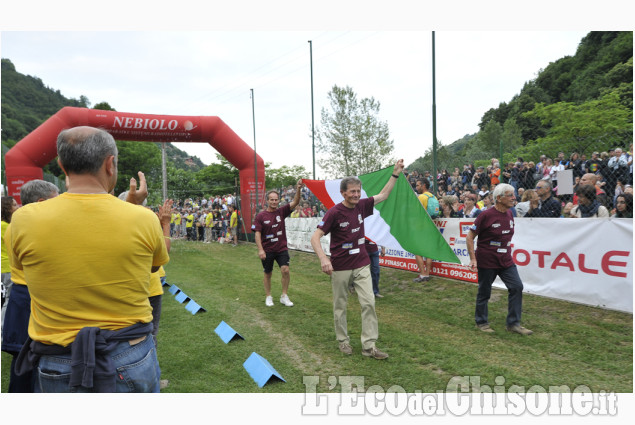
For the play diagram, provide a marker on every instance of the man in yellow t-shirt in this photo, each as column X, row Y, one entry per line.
column 189, row 225
column 209, row 223
column 424, row 264
column 18, row 308
column 177, row 223
column 233, row 224
column 89, row 290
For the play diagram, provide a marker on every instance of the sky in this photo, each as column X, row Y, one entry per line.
column 212, row 73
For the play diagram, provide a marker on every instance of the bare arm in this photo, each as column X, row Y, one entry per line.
column 298, row 192
column 164, row 214
column 383, row 195
column 469, row 242
column 327, row 267
column 261, row 252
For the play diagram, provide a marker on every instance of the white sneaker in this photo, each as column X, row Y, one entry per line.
column 284, row 299
column 269, row 301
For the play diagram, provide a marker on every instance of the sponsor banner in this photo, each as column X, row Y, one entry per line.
column 588, row 261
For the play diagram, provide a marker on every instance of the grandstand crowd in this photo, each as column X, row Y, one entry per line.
column 602, row 187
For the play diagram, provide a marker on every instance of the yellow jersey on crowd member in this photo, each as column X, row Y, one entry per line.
column 233, row 221
column 5, row 258
column 156, row 288
column 76, row 279
column 17, row 275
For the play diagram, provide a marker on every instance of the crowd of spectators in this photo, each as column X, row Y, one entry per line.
column 203, row 219
column 609, row 176
column 465, row 193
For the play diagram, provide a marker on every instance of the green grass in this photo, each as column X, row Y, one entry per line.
column 428, row 330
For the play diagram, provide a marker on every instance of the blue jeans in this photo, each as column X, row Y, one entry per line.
column 374, row 270
column 514, row 285
column 137, row 370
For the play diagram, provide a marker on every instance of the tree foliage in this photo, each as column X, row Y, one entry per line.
column 351, row 137
column 284, row 176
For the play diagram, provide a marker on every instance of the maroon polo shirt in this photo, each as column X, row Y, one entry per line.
column 273, row 235
column 346, row 226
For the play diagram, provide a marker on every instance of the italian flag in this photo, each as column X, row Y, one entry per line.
column 400, row 222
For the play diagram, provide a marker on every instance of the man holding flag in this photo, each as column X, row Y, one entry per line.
column 349, row 264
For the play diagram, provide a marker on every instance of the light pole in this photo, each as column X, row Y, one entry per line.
column 312, row 112
column 434, row 122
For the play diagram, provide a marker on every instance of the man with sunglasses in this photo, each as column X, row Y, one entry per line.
column 546, row 205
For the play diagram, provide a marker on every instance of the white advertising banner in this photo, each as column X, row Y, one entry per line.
column 588, row 261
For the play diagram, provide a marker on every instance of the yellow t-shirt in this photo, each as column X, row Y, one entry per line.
column 424, row 199
column 155, row 282
column 209, row 220
column 5, row 258
column 87, row 261
column 177, row 219
column 17, row 275
column 233, row 221
column 189, row 220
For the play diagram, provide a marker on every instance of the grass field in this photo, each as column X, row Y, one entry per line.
column 428, row 330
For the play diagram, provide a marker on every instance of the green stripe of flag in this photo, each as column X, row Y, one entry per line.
column 409, row 223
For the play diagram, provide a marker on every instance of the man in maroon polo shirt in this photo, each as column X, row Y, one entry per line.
column 271, row 240
column 349, row 264
column 494, row 228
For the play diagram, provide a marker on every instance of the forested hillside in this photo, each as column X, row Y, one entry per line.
column 579, row 103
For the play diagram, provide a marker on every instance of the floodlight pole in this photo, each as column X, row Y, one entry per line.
column 434, row 122
column 312, row 111
column 164, row 173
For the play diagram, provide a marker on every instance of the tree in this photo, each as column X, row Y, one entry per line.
column 594, row 125
column 351, row 135
column 276, row 178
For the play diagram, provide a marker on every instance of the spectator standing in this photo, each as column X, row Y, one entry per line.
column 523, row 206
column 575, row 164
column 470, row 210
column 18, row 308
column 588, row 206
column 8, row 208
column 600, row 195
column 546, row 205
column 492, row 258
column 89, row 293
column 233, row 224
column 424, row 264
column 624, row 206
column 373, row 253
column 450, row 207
column 189, row 225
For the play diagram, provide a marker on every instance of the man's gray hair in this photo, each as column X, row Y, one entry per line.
column 348, row 181
column 501, row 189
column 82, row 150
column 33, row 190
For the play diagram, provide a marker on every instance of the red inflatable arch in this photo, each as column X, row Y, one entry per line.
column 25, row 160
